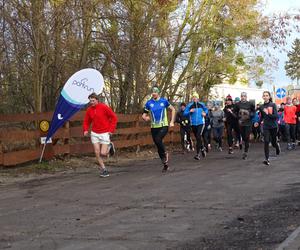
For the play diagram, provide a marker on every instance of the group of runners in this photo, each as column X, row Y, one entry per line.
column 238, row 119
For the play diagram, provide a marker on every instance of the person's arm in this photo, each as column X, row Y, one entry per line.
column 173, row 113
column 205, row 109
column 274, row 114
column 187, row 110
column 86, row 123
column 145, row 115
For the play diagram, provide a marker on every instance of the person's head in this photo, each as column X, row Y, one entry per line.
column 282, row 105
column 94, row 99
column 182, row 106
column 155, row 92
column 237, row 99
column 289, row 100
column 228, row 101
column 195, row 97
column 267, row 96
column 217, row 107
column 243, row 96
column 295, row 101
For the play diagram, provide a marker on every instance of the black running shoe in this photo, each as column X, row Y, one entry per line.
column 266, row 162
column 104, row 173
column 244, row 156
column 165, row 168
column 230, row 151
column 197, row 157
column 203, row 152
column 112, row 149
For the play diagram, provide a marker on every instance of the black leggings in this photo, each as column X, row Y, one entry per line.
column 232, row 127
column 245, row 133
column 270, row 135
column 290, row 132
column 185, row 130
column 198, row 130
column 158, row 135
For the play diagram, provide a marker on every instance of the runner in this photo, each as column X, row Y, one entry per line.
column 231, row 123
column 281, row 124
column 245, row 110
column 104, row 122
column 290, row 123
column 269, row 117
column 217, row 121
column 185, row 128
column 197, row 112
column 156, row 111
column 256, row 124
column 206, row 135
column 297, row 104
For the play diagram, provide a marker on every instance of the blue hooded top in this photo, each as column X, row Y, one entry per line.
column 196, row 117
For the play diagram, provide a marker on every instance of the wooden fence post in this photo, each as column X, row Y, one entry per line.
column 1, row 155
column 138, row 147
column 67, row 140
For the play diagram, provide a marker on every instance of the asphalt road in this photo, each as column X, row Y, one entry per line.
column 220, row 202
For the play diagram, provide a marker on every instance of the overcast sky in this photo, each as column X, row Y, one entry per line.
column 277, row 6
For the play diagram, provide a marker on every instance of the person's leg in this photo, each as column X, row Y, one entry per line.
column 288, row 135
column 221, row 131
column 266, row 143
column 229, row 135
column 247, row 138
column 158, row 134
column 198, row 130
column 188, row 136
column 293, row 132
column 182, row 133
column 97, row 150
column 274, row 142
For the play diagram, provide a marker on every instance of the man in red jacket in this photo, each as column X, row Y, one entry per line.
column 104, row 122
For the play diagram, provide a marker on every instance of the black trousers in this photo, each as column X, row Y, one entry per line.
column 158, row 135
column 206, row 135
column 270, row 135
column 245, row 133
column 185, row 130
column 290, row 132
column 232, row 127
column 198, row 130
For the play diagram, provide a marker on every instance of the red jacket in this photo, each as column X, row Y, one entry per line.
column 289, row 114
column 103, row 119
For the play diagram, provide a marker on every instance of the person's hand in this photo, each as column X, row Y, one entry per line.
column 146, row 118
column 203, row 114
column 171, row 124
column 299, row 118
column 192, row 110
column 229, row 110
column 266, row 111
column 256, row 124
column 86, row 133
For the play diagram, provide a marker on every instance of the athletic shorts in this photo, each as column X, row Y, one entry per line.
column 103, row 138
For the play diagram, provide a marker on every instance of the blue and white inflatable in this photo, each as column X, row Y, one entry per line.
column 74, row 96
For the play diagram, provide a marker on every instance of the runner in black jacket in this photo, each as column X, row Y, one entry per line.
column 185, row 127
column 231, row 123
column 269, row 117
column 244, row 111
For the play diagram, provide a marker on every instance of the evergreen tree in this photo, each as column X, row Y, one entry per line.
column 292, row 66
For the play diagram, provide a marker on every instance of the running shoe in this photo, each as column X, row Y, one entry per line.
column 293, row 145
column 245, row 156
column 165, row 168
column 112, row 149
column 104, row 173
column 203, row 152
column 230, row 151
column 197, row 157
column 289, row 146
column 220, row 149
column 266, row 162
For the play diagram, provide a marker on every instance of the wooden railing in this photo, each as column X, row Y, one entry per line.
column 20, row 145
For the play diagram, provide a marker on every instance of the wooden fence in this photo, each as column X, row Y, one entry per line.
column 20, row 136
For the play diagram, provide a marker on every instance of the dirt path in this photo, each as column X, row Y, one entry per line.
column 220, row 202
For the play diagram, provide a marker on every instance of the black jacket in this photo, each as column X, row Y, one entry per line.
column 269, row 120
column 231, row 118
column 182, row 120
column 244, row 111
